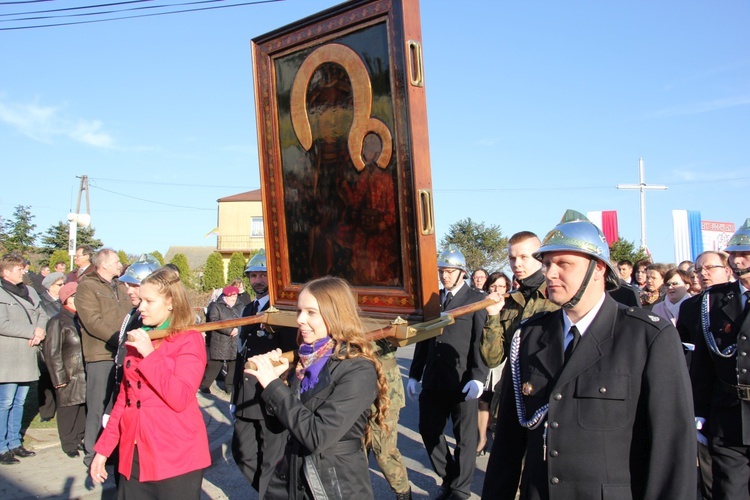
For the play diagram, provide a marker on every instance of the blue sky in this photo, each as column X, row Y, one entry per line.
column 533, row 108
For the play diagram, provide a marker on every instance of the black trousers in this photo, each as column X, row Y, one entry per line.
column 46, row 395
column 71, row 425
column 183, row 487
column 705, row 476
column 257, row 450
column 100, row 382
column 213, row 367
column 457, row 468
column 731, row 470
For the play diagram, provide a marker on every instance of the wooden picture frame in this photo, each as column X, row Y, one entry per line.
column 344, row 157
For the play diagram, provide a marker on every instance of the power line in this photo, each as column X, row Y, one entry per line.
column 569, row 188
column 150, row 183
column 23, row 2
column 447, row 190
column 66, row 9
column 215, row 7
column 152, row 201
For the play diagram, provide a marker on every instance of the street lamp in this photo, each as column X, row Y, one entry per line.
column 75, row 221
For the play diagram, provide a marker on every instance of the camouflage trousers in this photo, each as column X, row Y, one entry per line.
column 385, row 448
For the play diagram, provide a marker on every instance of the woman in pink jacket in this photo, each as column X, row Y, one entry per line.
column 156, row 420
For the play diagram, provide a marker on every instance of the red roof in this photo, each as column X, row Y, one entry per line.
column 246, row 196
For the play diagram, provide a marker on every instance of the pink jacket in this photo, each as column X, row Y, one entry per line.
column 157, row 410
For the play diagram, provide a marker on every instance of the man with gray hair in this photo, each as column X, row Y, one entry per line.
column 102, row 302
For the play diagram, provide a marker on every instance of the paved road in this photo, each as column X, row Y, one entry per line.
column 51, row 474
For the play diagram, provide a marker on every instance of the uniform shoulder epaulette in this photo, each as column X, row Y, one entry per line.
column 648, row 317
column 534, row 317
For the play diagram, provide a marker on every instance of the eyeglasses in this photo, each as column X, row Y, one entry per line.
column 496, row 288
column 699, row 270
column 671, row 284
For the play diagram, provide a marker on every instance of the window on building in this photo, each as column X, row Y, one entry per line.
column 256, row 226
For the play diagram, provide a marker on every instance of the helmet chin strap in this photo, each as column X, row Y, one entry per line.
column 577, row 297
column 460, row 277
column 740, row 272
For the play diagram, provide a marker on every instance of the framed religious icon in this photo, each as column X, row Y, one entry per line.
column 344, row 157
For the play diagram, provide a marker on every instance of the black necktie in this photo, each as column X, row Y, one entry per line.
column 447, row 301
column 256, row 306
column 746, row 310
column 572, row 344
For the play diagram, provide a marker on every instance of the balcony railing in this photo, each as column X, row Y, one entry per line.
column 239, row 243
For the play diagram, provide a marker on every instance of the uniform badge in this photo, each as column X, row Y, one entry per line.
column 728, row 328
column 653, row 318
column 527, row 388
column 260, row 333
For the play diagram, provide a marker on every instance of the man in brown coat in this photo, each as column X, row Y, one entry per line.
column 102, row 302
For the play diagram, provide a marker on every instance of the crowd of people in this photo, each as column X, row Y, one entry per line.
column 582, row 377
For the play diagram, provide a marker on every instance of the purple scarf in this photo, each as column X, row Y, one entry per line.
column 312, row 359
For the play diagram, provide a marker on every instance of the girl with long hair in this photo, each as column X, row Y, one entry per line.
column 156, row 420
column 327, row 405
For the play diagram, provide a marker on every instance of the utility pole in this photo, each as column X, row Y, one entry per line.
column 642, row 187
column 77, row 219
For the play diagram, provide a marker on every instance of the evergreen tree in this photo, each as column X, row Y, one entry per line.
column 58, row 255
column 18, row 233
column 56, row 238
column 236, row 268
column 158, row 256
column 213, row 275
column 124, row 258
column 625, row 250
column 482, row 246
column 181, row 262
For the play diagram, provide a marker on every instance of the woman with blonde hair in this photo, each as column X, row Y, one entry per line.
column 156, row 420
column 327, row 406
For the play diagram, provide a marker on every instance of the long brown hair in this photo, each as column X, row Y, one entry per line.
column 168, row 284
column 339, row 311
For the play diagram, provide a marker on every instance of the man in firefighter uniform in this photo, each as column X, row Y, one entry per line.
column 453, row 376
column 255, row 447
column 596, row 398
column 720, row 374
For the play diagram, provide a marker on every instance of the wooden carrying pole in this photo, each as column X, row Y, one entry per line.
column 389, row 331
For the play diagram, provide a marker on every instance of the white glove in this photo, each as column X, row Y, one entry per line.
column 473, row 389
column 412, row 389
column 105, row 419
column 232, row 410
column 699, row 423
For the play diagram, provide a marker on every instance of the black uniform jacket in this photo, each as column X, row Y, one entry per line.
column 626, row 294
column 327, row 423
column 447, row 362
column 257, row 339
column 620, row 424
column 713, row 376
column 689, row 325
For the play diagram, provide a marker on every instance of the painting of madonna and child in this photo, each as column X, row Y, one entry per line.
column 340, row 190
column 344, row 156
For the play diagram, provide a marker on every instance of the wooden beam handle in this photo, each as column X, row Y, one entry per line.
column 290, row 356
column 389, row 331
column 471, row 308
column 213, row 325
